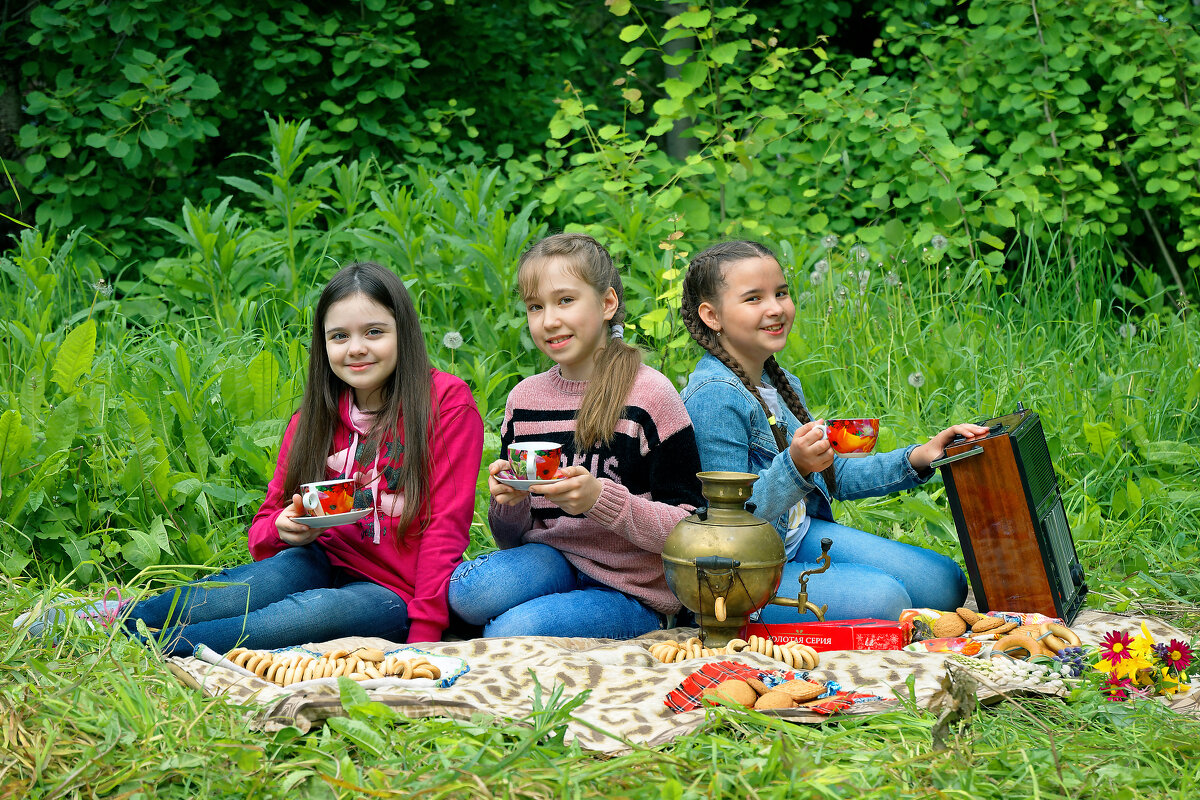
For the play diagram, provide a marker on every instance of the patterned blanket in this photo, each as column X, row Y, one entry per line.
column 625, row 707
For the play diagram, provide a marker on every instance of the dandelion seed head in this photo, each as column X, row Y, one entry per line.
column 860, row 253
column 829, row 240
column 916, row 380
column 891, row 279
column 864, row 277
column 815, row 278
column 452, row 340
column 1127, row 330
column 821, row 266
column 939, row 242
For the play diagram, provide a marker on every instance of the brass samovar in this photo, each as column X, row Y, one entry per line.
column 724, row 563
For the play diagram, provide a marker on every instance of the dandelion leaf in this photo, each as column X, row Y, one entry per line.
column 75, row 356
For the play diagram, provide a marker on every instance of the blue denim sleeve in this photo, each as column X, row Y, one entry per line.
column 723, row 420
column 876, row 475
column 873, row 476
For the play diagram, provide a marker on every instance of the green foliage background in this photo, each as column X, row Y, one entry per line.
column 980, row 199
column 977, row 203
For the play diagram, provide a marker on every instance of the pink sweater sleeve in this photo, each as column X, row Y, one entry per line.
column 264, row 538
column 640, row 520
column 456, row 452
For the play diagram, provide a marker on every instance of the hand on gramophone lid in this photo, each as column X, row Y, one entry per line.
column 924, row 455
column 574, row 494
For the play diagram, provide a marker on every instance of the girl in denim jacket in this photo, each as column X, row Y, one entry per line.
column 750, row 416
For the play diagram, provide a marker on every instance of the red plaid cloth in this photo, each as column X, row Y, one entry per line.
column 843, row 700
column 686, row 696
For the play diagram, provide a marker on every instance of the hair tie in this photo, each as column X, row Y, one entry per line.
column 618, row 331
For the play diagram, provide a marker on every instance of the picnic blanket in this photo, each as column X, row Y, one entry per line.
column 625, row 707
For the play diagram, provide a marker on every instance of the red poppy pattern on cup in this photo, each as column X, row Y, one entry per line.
column 853, row 435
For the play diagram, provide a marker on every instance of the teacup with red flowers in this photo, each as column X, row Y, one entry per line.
column 535, row 461
column 325, row 498
column 852, row 438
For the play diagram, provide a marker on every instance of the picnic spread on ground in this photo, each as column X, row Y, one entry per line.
column 724, row 564
column 628, row 687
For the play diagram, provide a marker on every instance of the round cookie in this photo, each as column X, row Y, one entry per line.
column 948, row 625
column 801, row 690
column 733, row 691
column 772, row 700
column 968, row 616
column 984, row 624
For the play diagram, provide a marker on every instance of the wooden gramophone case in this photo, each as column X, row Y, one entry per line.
column 1014, row 533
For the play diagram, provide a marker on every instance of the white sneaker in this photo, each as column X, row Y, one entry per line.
column 95, row 614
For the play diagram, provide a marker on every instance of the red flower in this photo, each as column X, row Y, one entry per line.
column 547, row 467
column 1176, row 655
column 1115, row 646
column 1117, row 689
column 338, row 500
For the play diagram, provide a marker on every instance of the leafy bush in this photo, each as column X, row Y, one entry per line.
column 113, row 112
column 1014, row 124
column 141, row 417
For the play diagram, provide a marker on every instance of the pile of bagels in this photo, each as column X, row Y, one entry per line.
column 793, row 654
column 1010, row 638
column 360, row 664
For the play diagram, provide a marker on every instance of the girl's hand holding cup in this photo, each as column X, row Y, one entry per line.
column 291, row 532
column 502, row 493
column 810, row 449
column 574, row 494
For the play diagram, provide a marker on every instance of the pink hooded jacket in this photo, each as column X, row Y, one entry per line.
column 416, row 566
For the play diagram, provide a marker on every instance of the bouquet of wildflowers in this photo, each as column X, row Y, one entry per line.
column 1136, row 666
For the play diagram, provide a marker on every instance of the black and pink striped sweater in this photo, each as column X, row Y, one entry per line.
column 648, row 473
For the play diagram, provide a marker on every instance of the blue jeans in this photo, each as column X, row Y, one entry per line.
column 293, row 597
column 532, row 590
column 870, row 577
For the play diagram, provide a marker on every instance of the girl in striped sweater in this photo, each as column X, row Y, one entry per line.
column 582, row 557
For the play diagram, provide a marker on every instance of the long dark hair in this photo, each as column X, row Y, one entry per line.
column 406, row 396
column 617, row 363
column 703, row 283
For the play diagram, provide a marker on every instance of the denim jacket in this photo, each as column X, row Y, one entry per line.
column 732, row 433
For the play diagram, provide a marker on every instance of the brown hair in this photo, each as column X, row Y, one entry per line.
column 406, row 396
column 702, row 284
column 616, row 363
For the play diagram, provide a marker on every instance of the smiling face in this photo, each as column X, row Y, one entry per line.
column 753, row 312
column 568, row 319
column 360, row 341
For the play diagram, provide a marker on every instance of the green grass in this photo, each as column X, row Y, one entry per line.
column 100, row 716
column 171, row 427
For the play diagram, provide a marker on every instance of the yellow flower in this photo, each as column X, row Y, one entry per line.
column 1171, row 685
column 1142, row 646
column 1129, row 668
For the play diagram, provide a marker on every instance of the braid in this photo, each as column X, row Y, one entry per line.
column 702, row 277
column 784, row 387
column 702, row 283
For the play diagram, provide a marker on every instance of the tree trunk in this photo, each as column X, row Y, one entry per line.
column 677, row 145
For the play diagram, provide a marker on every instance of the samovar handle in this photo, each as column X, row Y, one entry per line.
column 802, row 597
